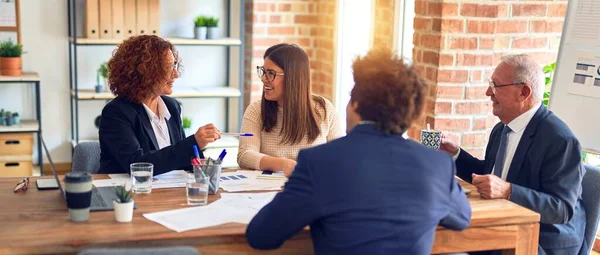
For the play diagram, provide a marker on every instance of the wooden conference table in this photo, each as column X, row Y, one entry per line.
column 37, row 222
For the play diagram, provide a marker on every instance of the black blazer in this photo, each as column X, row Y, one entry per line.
column 546, row 173
column 126, row 136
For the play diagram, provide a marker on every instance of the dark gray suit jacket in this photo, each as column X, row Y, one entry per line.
column 546, row 173
column 126, row 136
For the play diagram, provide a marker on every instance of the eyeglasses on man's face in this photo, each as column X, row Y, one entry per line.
column 493, row 85
column 271, row 74
column 22, row 185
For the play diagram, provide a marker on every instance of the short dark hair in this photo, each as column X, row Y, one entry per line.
column 388, row 91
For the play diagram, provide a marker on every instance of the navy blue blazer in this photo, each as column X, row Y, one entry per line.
column 366, row 193
column 126, row 136
column 546, row 173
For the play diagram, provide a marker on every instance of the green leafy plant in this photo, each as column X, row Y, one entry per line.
column 212, row 22
column 9, row 49
column 123, row 195
column 200, row 21
column 187, row 122
column 102, row 72
column 548, row 71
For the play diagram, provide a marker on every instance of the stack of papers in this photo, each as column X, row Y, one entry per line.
column 244, row 180
column 173, row 179
column 240, row 208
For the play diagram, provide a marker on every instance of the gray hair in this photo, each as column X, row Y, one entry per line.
column 528, row 71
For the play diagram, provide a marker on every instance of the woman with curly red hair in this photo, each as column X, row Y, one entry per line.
column 142, row 124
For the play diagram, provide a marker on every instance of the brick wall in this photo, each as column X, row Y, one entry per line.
column 310, row 24
column 457, row 45
column 384, row 23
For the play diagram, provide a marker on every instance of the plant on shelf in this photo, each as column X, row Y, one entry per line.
column 16, row 118
column 548, row 71
column 102, row 72
column 212, row 23
column 187, row 124
column 200, row 27
column 10, row 58
column 124, row 204
column 9, row 119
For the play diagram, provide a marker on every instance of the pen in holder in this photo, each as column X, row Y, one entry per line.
column 212, row 170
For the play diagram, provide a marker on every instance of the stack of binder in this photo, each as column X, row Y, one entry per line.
column 118, row 19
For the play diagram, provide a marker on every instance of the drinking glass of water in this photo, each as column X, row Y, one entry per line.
column 197, row 189
column 141, row 177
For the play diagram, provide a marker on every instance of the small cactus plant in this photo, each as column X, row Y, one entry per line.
column 123, row 195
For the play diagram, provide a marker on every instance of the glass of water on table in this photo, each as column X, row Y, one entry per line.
column 196, row 188
column 141, row 177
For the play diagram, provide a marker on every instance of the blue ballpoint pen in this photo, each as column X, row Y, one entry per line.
column 237, row 134
column 222, row 155
column 196, row 152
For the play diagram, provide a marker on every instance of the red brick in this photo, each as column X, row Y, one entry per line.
column 543, row 26
column 502, row 42
column 443, row 108
column 306, row 19
column 462, row 43
column 434, row 9
column 486, row 43
column 452, row 124
column 511, row 26
column 449, row 92
column 285, row 7
column 281, row 30
column 491, row 120
column 275, row 19
column 473, row 107
column 479, row 10
column 557, row 10
column 431, row 41
column 528, row 10
column 530, row 43
column 446, row 60
column 436, row 25
column 479, row 124
column 502, row 11
column 449, row 9
column 302, row 42
column 476, row 92
column 473, row 140
column 455, row 76
column 473, row 60
column 432, row 92
column 452, row 26
column 421, row 23
column 421, row 7
column 299, row 7
column 431, row 74
column 481, row 27
column 431, row 57
column 264, row 7
column 543, row 58
column 476, row 77
column 267, row 42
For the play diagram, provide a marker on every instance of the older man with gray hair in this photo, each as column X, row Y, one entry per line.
column 532, row 158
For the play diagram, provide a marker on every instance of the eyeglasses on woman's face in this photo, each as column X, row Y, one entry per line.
column 271, row 74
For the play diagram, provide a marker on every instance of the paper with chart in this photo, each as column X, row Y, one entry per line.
column 244, row 180
column 240, row 208
column 172, row 179
column 586, row 75
column 583, row 29
column 8, row 13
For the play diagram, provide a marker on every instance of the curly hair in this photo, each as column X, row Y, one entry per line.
column 138, row 67
column 388, row 92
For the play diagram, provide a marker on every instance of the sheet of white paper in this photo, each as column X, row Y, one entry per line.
column 242, row 180
column 172, row 179
column 111, row 183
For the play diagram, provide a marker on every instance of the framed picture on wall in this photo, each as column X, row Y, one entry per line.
column 9, row 20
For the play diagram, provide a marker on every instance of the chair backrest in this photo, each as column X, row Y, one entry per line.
column 591, row 203
column 86, row 157
column 177, row 250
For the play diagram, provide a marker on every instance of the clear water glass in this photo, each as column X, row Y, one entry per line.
column 196, row 189
column 141, row 177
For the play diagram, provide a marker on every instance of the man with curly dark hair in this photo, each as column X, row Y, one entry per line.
column 142, row 124
column 372, row 191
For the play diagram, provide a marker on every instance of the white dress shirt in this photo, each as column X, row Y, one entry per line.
column 517, row 126
column 159, row 123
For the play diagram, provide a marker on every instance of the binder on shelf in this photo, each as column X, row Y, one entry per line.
column 129, row 18
column 91, row 19
column 142, row 17
column 105, row 18
column 154, row 17
column 118, row 19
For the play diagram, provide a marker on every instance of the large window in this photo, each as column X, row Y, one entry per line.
column 404, row 17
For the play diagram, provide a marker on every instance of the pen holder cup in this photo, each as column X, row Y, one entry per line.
column 212, row 171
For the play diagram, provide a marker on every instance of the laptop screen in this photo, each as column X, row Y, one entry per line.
column 53, row 168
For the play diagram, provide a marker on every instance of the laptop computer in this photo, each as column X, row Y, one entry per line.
column 101, row 197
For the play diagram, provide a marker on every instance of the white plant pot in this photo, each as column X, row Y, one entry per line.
column 200, row 33
column 212, row 33
column 123, row 211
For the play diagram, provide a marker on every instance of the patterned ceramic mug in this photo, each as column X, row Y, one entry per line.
column 431, row 138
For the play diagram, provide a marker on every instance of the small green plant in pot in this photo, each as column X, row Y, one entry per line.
column 10, row 58
column 102, row 72
column 187, row 124
column 124, row 204
column 212, row 31
column 200, row 28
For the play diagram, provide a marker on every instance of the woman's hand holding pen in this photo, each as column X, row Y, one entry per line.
column 207, row 134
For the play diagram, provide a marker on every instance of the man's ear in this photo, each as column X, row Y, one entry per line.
column 354, row 106
column 526, row 92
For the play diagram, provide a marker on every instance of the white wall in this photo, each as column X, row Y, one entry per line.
column 44, row 38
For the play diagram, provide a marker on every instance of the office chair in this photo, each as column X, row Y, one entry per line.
column 591, row 204
column 86, row 157
column 175, row 250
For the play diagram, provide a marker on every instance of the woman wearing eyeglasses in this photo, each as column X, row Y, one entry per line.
column 289, row 117
column 143, row 124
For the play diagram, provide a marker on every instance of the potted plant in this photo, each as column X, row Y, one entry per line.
column 187, row 124
column 16, row 118
column 200, row 28
column 2, row 118
column 102, row 72
column 9, row 119
column 123, row 205
column 212, row 23
column 10, row 58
